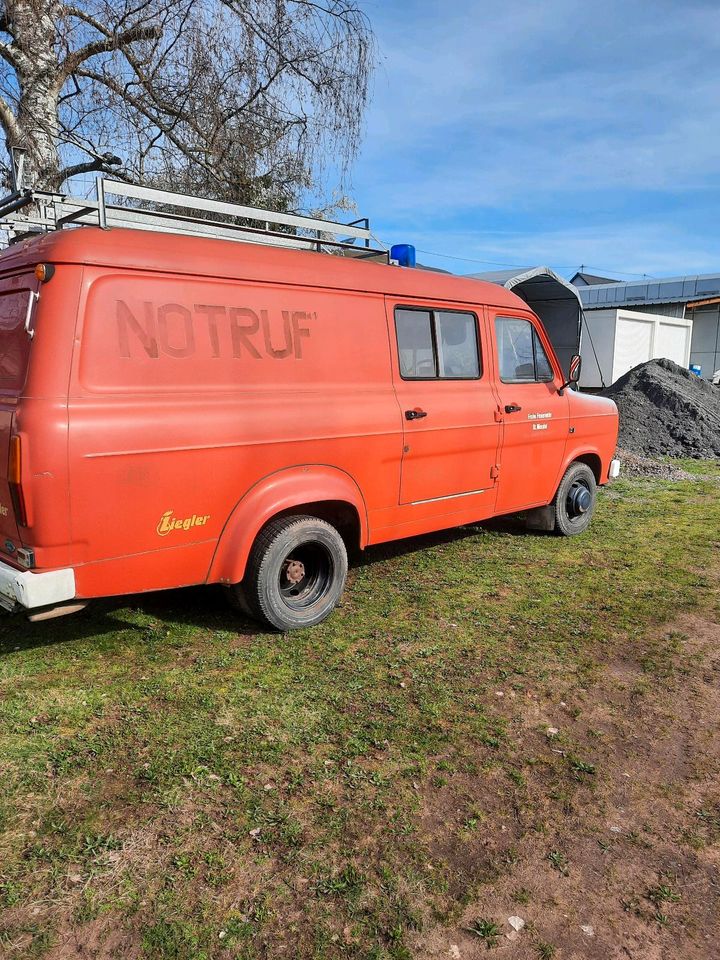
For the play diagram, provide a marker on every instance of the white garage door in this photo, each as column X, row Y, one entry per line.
column 633, row 338
column 671, row 342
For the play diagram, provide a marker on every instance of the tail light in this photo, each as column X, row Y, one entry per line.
column 15, row 481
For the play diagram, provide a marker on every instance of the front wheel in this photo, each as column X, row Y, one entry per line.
column 574, row 503
column 295, row 574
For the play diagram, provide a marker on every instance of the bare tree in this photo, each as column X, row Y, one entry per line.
column 243, row 99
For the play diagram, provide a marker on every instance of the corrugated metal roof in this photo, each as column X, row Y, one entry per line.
column 637, row 292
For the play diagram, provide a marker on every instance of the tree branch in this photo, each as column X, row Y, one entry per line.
column 144, row 109
column 116, row 41
column 103, row 163
column 10, row 53
column 9, row 123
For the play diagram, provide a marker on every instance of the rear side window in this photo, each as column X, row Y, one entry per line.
column 521, row 355
column 14, row 341
column 437, row 344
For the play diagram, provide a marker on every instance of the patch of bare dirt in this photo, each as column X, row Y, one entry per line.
column 625, row 861
column 96, row 939
column 633, row 465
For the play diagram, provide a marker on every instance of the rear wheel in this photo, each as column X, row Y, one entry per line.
column 574, row 502
column 295, row 574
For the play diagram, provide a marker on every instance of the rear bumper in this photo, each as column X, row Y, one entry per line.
column 23, row 588
column 614, row 469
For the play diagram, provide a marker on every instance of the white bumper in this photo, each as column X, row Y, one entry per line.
column 32, row 590
column 614, row 470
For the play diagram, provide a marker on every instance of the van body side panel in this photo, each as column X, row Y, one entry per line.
column 139, row 573
column 595, row 429
column 186, row 393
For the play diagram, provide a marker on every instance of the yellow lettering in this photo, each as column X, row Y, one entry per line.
column 164, row 527
column 169, row 523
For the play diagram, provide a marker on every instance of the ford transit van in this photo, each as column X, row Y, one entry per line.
column 182, row 410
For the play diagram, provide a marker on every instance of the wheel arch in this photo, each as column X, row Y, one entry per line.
column 593, row 461
column 319, row 490
column 589, row 456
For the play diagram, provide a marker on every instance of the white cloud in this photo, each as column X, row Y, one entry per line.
column 552, row 112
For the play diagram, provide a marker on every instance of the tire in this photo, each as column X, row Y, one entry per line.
column 295, row 574
column 574, row 503
column 237, row 599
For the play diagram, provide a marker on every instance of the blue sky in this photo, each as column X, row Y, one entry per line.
column 547, row 132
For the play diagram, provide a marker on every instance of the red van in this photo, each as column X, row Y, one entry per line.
column 179, row 410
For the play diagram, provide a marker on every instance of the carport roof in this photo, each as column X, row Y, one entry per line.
column 537, row 283
column 500, row 276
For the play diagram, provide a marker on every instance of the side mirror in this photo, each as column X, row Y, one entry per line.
column 573, row 372
column 575, row 368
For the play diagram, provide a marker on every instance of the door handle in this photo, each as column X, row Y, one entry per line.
column 512, row 408
column 415, row 414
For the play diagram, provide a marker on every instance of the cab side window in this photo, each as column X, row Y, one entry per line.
column 437, row 344
column 521, row 356
column 416, row 348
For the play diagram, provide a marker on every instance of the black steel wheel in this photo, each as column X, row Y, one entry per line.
column 575, row 500
column 306, row 575
column 295, row 574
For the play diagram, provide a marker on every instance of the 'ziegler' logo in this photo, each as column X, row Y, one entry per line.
column 172, row 329
column 168, row 523
column 3, row 510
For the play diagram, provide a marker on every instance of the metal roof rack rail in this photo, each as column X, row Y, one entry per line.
column 165, row 212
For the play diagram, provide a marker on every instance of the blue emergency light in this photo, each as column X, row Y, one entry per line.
column 403, row 253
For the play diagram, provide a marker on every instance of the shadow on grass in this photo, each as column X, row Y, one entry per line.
column 504, row 526
column 205, row 607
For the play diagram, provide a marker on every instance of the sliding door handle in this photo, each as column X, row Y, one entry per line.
column 415, row 414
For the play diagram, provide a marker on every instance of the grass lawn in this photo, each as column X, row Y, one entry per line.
column 493, row 724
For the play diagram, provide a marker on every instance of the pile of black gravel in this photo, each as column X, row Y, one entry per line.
column 666, row 411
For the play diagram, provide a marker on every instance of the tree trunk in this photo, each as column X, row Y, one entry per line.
column 37, row 117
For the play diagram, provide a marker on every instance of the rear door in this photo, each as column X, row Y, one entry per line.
column 447, row 404
column 535, row 416
column 17, row 301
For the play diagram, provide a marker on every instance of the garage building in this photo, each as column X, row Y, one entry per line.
column 693, row 299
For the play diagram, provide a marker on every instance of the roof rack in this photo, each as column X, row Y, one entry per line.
column 165, row 212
